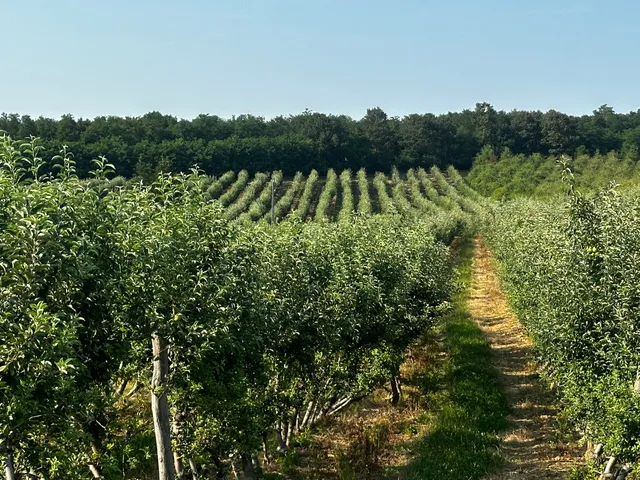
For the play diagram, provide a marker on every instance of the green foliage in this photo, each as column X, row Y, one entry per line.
column 459, row 184
column 154, row 143
column 571, row 272
column 449, row 191
column 217, row 186
column 302, row 210
column 590, row 471
column 235, row 189
column 347, row 196
column 327, row 195
column 380, row 182
column 511, row 176
column 247, row 196
column 364, row 202
column 284, row 204
column 432, row 193
column 261, row 206
column 261, row 320
column 398, row 193
column 421, row 203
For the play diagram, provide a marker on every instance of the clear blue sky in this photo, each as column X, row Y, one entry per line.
column 271, row 57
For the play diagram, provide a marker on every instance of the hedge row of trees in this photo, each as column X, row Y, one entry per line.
column 122, row 306
column 572, row 273
column 154, row 142
column 509, row 175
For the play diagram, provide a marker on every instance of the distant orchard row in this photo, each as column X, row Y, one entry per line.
column 337, row 196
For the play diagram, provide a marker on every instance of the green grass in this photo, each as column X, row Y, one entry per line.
column 462, row 388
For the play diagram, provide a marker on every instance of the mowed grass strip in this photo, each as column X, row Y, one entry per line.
column 468, row 409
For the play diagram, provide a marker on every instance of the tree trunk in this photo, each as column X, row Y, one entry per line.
column 624, row 471
column 176, row 427
column 395, row 390
column 93, row 466
column 179, row 466
column 306, row 417
column 8, row 464
column 265, row 449
column 194, row 469
column 282, row 446
column 247, row 467
column 290, row 428
column 122, row 386
column 256, row 465
column 608, row 473
column 313, row 418
column 597, row 452
column 160, row 408
column 94, row 470
column 339, row 405
column 285, row 433
column 134, row 389
column 327, row 406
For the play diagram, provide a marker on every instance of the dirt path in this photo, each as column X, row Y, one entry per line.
column 535, row 447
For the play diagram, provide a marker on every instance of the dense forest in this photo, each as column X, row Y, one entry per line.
column 143, row 146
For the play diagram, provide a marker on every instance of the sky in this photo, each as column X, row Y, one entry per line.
column 279, row 57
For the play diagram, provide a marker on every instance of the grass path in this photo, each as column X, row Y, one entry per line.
column 461, row 390
column 536, row 445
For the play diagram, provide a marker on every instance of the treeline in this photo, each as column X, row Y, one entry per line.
column 144, row 146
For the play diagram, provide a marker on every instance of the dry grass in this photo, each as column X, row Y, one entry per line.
column 534, row 447
column 372, row 439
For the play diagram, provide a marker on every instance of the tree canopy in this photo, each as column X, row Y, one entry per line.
column 146, row 145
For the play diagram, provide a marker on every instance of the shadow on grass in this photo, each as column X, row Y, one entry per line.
column 463, row 391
